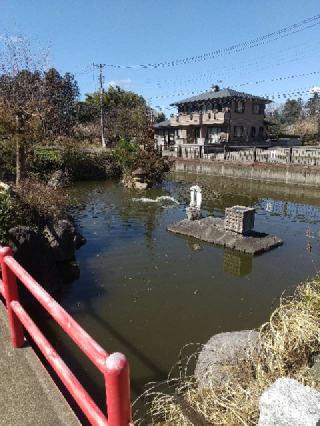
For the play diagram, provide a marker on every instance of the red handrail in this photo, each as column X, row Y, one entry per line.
column 114, row 367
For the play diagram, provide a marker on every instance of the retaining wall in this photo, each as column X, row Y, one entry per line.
column 286, row 173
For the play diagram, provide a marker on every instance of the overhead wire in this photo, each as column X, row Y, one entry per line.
column 269, row 37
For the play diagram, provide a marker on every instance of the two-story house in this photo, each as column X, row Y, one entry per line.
column 215, row 118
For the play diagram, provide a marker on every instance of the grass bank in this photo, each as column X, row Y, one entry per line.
column 287, row 345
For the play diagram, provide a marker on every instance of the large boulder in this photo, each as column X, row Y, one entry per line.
column 33, row 253
column 289, row 403
column 63, row 239
column 220, row 351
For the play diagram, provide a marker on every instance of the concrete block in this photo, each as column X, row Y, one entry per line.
column 239, row 219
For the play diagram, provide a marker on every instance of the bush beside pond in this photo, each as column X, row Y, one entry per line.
column 141, row 164
column 80, row 162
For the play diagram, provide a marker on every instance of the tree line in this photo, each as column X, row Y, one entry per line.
column 42, row 105
column 297, row 117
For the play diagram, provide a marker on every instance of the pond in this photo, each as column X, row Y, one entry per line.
column 146, row 292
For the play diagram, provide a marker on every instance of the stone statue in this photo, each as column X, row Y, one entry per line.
column 194, row 209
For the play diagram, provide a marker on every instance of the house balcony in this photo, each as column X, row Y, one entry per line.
column 197, row 119
column 212, row 117
column 186, row 119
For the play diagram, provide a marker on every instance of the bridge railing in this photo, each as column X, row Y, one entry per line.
column 114, row 367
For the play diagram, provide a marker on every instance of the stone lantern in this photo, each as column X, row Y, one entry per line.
column 194, row 209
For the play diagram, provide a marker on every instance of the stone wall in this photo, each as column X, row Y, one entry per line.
column 307, row 156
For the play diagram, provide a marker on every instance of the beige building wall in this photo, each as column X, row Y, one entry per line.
column 247, row 119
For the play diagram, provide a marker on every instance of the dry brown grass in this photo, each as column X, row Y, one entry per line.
column 287, row 343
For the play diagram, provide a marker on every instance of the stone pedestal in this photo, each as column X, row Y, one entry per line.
column 194, row 209
column 239, row 219
column 193, row 213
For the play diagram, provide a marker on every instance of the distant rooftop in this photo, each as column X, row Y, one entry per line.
column 216, row 93
column 162, row 124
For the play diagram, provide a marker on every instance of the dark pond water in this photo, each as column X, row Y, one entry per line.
column 147, row 293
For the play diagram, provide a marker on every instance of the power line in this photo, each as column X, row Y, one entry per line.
column 276, row 35
column 226, row 70
column 272, row 96
column 280, row 78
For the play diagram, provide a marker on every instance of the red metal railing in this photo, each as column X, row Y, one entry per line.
column 114, row 367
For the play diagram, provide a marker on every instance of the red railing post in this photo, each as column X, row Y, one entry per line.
column 118, row 390
column 11, row 294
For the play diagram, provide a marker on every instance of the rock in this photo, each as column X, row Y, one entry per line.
column 138, row 172
column 59, row 179
column 131, row 182
column 289, row 403
column 33, row 253
column 140, row 185
column 4, row 187
column 220, row 351
column 63, row 239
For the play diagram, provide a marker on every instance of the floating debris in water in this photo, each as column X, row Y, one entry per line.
column 161, row 199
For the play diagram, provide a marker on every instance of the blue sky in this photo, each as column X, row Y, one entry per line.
column 80, row 32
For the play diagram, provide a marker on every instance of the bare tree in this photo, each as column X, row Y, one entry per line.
column 20, row 95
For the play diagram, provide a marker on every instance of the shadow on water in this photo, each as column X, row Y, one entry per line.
column 147, row 293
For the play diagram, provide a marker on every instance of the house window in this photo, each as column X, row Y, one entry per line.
column 239, row 107
column 238, row 131
column 253, row 132
column 258, row 108
column 197, row 132
column 261, row 132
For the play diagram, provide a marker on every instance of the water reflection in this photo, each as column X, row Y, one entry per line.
column 297, row 211
column 237, row 264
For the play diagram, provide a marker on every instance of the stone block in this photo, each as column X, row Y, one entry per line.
column 239, row 219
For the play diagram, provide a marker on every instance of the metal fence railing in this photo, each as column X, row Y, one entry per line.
column 114, row 367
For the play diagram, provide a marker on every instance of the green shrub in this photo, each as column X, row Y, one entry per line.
column 130, row 157
column 46, row 160
column 126, row 154
column 8, row 215
column 81, row 164
column 85, row 165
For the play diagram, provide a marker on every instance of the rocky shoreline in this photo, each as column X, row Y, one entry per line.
column 46, row 244
column 45, row 254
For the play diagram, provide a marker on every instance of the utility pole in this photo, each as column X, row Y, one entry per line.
column 101, row 66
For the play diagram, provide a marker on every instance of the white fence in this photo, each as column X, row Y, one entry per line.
column 307, row 156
